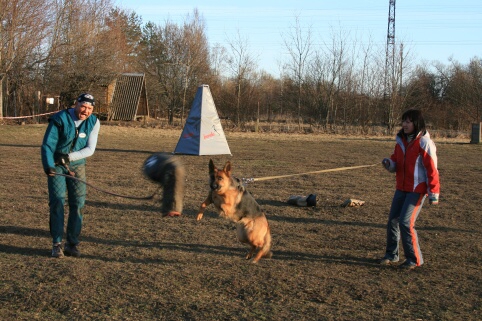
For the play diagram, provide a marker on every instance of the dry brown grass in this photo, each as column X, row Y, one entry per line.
column 136, row 265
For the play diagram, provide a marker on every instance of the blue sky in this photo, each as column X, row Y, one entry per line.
column 431, row 30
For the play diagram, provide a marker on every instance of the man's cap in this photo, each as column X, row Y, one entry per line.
column 86, row 98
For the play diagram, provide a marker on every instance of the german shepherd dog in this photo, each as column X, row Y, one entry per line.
column 234, row 202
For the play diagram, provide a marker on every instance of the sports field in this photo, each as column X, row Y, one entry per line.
column 136, row 265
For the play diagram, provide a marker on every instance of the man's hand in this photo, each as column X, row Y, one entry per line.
column 433, row 200
column 50, row 171
column 386, row 163
column 61, row 159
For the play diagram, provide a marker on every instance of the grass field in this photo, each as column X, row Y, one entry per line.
column 136, row 265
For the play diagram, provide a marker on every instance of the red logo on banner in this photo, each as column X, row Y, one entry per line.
column 211, row 134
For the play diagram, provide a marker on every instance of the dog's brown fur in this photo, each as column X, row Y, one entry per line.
column 234, row 202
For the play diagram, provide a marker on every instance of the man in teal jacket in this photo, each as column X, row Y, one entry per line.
column 71, row 136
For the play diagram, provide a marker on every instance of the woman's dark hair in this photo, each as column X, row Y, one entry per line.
column 416, row 118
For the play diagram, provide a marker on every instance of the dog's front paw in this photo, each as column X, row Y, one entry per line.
column 199, row 216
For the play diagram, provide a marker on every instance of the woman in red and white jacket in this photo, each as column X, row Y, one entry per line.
column 414, row 161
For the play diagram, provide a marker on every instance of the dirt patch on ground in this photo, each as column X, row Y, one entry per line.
column 136, row 265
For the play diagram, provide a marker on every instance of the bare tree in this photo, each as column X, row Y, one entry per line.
column 462, row 92
column 23, row 28
column 219, row 59
column 158, row 58
column 371, row 82
column 268, row 96
column 81, row 48
column 123, row 32
column 241, row 65
column 298, row 44
column 195, row 54
column 475, row 76
column 175, row 59
column 336, row 54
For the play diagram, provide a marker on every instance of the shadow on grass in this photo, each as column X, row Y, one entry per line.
column 10, row 249
column 310, row 220
column 183, row 247
column 285, row 204
column 155, row 206
column 190, row 248
column 304, row 220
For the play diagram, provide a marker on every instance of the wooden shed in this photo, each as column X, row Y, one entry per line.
column 129, row 97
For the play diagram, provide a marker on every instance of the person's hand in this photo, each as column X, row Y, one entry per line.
column 386, row 163
column 50, row 171
column 433, row 200
column 61, row 159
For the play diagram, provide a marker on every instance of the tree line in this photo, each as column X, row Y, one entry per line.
column 62, row 47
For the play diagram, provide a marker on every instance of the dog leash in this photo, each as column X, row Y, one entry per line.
column 250, row 180
column 244, row 180
column 107, row 192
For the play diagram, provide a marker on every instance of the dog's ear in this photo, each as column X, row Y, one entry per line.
column 227, row 168
column 212, row 168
